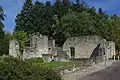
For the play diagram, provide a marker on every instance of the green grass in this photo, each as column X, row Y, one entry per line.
column 53, row 64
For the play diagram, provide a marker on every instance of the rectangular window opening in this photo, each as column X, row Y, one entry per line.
column 72, row 51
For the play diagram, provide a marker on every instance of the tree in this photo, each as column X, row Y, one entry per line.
column 48, row 4
column 63, row 20
column 1, row 30
column 37, row 20
column 100, row 11
column 65, row 2
column 69, row 23
column 23, row 19
column 77, row 2
column 5, row 43
column 113, row 30
column 22, row 39
column 77, row 24
column 101, row 22
column 78, row 6
column 61, row 7
column 1, row 22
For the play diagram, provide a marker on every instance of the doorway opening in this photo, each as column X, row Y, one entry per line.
column 72, row 51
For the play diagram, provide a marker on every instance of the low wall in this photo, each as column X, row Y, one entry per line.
column 80, row 64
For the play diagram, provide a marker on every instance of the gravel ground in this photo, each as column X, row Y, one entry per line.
column 93, row 71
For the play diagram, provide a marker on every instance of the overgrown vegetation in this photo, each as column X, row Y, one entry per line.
column 14, row 69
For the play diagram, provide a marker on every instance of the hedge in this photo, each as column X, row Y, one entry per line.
column 14, row 69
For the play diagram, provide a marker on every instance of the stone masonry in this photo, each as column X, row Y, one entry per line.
column 38, row 46
column 79, row 47
column 14, row 48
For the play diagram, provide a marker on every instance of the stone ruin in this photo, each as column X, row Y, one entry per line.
column 110, row 49
column 89, row 47
column 43, row 47
column 14, row 48
column 40, row 46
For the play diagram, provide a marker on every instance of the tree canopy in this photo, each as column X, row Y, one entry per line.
column 64, row 19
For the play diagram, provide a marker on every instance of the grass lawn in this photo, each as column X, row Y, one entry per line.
column 53, row 64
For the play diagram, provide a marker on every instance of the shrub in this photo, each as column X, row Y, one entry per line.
column 44, row 74
column 14, row 69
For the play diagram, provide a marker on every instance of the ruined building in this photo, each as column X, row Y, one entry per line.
column 89, row 46
column 73, row 47
column 14, row 48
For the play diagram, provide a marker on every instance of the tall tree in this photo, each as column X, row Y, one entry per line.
column 100, row 11
column 113, row 30
column 5, row 43
column 1, row 22
column 61, row 7
column 77, row 24
column 48, row 4
column 35, row 18
column 77, row 2
column 42, row 20
column 1, row 30
column 65, row 2
column 78, row 6
column 23, row 19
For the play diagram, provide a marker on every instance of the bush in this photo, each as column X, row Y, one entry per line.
column 34, row 60
column 44, row 74
column 14, row 69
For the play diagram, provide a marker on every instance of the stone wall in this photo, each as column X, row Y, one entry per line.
column 38, row 46
column 14, row 48
column 110, row 49
column 84, row 46
column 80, row 64
column 51, row 47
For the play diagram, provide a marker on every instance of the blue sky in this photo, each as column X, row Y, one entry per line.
column 13, row 7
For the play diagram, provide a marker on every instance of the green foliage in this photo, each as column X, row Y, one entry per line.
column 5, row 43
column 114, row 31
column 22, row 39
column 77, row 24
column 67, row 19
column 61, row 7
column 44, row 74
column 34, row 60
column 1, row 23
column 23, row 19
column 14, row 69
